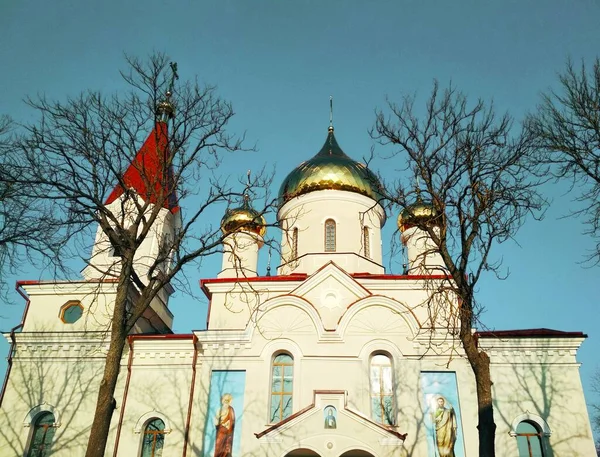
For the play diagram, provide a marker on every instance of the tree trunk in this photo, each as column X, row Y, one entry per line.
column 106, row 403
column 480, row 364
column 486, row 426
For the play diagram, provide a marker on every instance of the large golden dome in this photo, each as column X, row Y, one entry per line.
column 331, row 168
column 243, row 219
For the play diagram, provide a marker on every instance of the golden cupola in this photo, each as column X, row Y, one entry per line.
column 330, row 169
column 418, row 214
column 243, row 219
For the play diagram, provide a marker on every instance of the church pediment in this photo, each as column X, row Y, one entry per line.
column 329, row 424
column 331, row 290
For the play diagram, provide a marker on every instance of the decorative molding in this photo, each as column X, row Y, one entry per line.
column 37, row 410
column 527, row 416
column 145, row 418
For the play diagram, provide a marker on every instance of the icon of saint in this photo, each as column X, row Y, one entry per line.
column 330, row 421
column 444, row 421
column 225, row 424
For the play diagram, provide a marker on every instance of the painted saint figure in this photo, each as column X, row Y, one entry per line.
column 330, row 421
column 444, row 420
column 225, row 423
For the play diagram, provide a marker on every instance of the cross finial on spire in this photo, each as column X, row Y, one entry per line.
column 174, row 76
column 165, row 109
column 331, row 113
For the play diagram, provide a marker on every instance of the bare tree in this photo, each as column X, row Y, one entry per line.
column 29, row 228
column 567, row 129
column 468, row 165
column 81, row 151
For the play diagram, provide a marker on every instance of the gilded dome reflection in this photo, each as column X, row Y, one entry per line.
column 331, row 168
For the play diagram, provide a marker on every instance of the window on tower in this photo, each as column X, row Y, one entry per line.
column 382, row 390
column 282, row 383
column 153, row 439
column 295, row 243
column 366, row 242
column 329, row 235
column 529, row 440
column 42, row 434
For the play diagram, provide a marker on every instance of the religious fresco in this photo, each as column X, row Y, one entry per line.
column 330, row 418
column 442, row 414
column 222, row 437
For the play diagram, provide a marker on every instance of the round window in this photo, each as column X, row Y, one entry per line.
column 71, row 312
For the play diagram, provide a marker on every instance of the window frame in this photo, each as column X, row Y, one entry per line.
column 282, row 393
column 528, row 436
column 366, row 242
column 35, row 426
column 144, row 431
column 68, row 305
column 294, row 243
column 330, row 238
column 381, row 394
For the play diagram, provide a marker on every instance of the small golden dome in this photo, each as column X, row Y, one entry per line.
column 331, row 168
column 418, row 213
column 243, row 219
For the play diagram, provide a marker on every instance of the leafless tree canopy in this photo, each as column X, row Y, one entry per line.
column 567, row 128
column 475, row 170
column 29, row 228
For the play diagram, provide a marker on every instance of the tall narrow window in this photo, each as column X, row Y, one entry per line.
column 382, row 390
column 41, row 437
column 329, row 235
column 366, row 242
column 154, row 438
column 282, row 380
column 529, row 440
column 295, row 243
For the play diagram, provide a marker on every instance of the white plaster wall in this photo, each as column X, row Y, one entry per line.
column 103, row 263
column 56, row 374
column 423, row 255
column 240, row 255
column 47, row 299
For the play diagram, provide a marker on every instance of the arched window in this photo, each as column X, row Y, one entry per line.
column 382, row 390
column 529, row 440
column 329, row 235
column 366, row 242
column 295, row 243
column 41, row 437
column 153, row 440
column 282, row 383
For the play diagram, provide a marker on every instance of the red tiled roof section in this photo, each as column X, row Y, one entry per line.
column 530, row 333
column 148, row 174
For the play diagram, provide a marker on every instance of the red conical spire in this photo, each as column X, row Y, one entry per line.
column 148, row 174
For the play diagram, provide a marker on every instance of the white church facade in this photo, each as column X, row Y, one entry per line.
column 329, row 356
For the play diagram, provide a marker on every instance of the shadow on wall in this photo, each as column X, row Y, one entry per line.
column 543, row 393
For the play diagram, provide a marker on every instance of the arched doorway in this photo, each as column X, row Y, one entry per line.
column 357, row 453
column 302, row 453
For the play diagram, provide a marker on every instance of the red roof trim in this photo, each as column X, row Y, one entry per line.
column 36, row 282
column 148, row 167
column 208, row 281
column 396, row 277
column 530, row 333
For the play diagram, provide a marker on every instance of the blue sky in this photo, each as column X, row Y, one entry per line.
column 279, row 61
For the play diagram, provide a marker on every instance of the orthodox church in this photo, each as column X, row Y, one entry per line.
column 329, row 356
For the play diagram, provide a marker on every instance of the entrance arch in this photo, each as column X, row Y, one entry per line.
column 357, row 453
column 302, row 453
